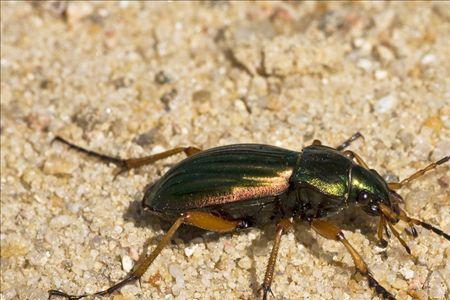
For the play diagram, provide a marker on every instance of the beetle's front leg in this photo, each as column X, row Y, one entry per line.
column 195, row 218
column 282, row 227
column 333, row 232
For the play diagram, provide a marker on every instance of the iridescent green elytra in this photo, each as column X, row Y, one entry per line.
column 233, row 187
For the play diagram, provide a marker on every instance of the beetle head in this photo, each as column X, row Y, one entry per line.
column 377, row 197
column 369, row 190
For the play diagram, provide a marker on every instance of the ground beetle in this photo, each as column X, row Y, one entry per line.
column 234, row 187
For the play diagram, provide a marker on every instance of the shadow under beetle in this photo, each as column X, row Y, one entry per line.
column 234, row 187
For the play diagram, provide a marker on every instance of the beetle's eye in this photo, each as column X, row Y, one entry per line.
column 363, row 197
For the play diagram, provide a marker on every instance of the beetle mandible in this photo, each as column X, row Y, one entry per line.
column 234, row 187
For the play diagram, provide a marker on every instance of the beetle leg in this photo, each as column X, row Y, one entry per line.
column 398, row 185
column 399, row 238
column 347, row 143
column 282, row 227
column 330, row 231
column 199, row 219
column 382, row 226
column 352, row 155
column 131, row 163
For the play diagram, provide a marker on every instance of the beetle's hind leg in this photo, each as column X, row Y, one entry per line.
column 195, row 218
column 333, row 232
column 282, row 227
column 124, row 165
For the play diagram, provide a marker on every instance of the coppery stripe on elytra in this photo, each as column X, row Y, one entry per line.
column 269, row 186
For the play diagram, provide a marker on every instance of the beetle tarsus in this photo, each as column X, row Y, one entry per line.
column 266, row 290
column 379, row 289
column 56, row 293
column 347, row 143
column 109, row 291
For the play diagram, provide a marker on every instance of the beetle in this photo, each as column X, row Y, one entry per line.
column 234, row 187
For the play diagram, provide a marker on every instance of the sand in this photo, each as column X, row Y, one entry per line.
column 129, row 79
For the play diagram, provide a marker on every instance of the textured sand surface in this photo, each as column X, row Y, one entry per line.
column 129, row 79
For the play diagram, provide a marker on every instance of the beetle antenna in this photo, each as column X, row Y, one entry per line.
column 411, row 221
column 398, row 185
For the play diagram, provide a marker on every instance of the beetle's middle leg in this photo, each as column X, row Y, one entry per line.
column 353, row 156
column 130, row 163
column 332, row 232
column 282, row 227
column 195, row 218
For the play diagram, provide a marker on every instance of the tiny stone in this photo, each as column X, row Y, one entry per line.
column 245, row 263
column 118, row 229
column 201, row 96
column 61, row 221
column 364, row 64
column 385, row 103
column 428, row 59
column 56, row 165
column 162, row 78
column 380, row 74
column 436, row 285
column 177, row 273
column 407, row 273
column 188, row 251
column 400, row 284
column 384, row 54
column 127, row 263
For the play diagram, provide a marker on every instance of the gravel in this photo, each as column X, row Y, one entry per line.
column 130, row 78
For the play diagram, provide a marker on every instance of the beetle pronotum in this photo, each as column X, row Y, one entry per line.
column 234, row 187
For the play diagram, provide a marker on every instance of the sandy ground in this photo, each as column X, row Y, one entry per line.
column 129, row 79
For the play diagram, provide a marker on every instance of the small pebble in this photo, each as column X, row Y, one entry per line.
column 188, row 251
column 407, row 272
column 385, row 103
column 428, row 59
column 245, row 263
column 61, row 221
column 177, row 273
column 364, row 64
column 380, row 74
column 127, row 263
column 57, row 165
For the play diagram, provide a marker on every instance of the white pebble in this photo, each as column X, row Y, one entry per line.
column 127, row 263
column 61, row 221
column 188, row 251
column 177, row 273
column 359, row 42
column 364, row 64
column 385, row 103
column 380, row 74
column 407, row 272
column 245, row 263
column 437, row 287
column 428, row 59
column 118, row 229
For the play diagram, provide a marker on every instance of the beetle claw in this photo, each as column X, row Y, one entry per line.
column 266, row 290
column 119, row 170
column 57, row 293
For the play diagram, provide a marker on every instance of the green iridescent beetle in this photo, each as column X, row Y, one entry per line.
column 234, row 187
